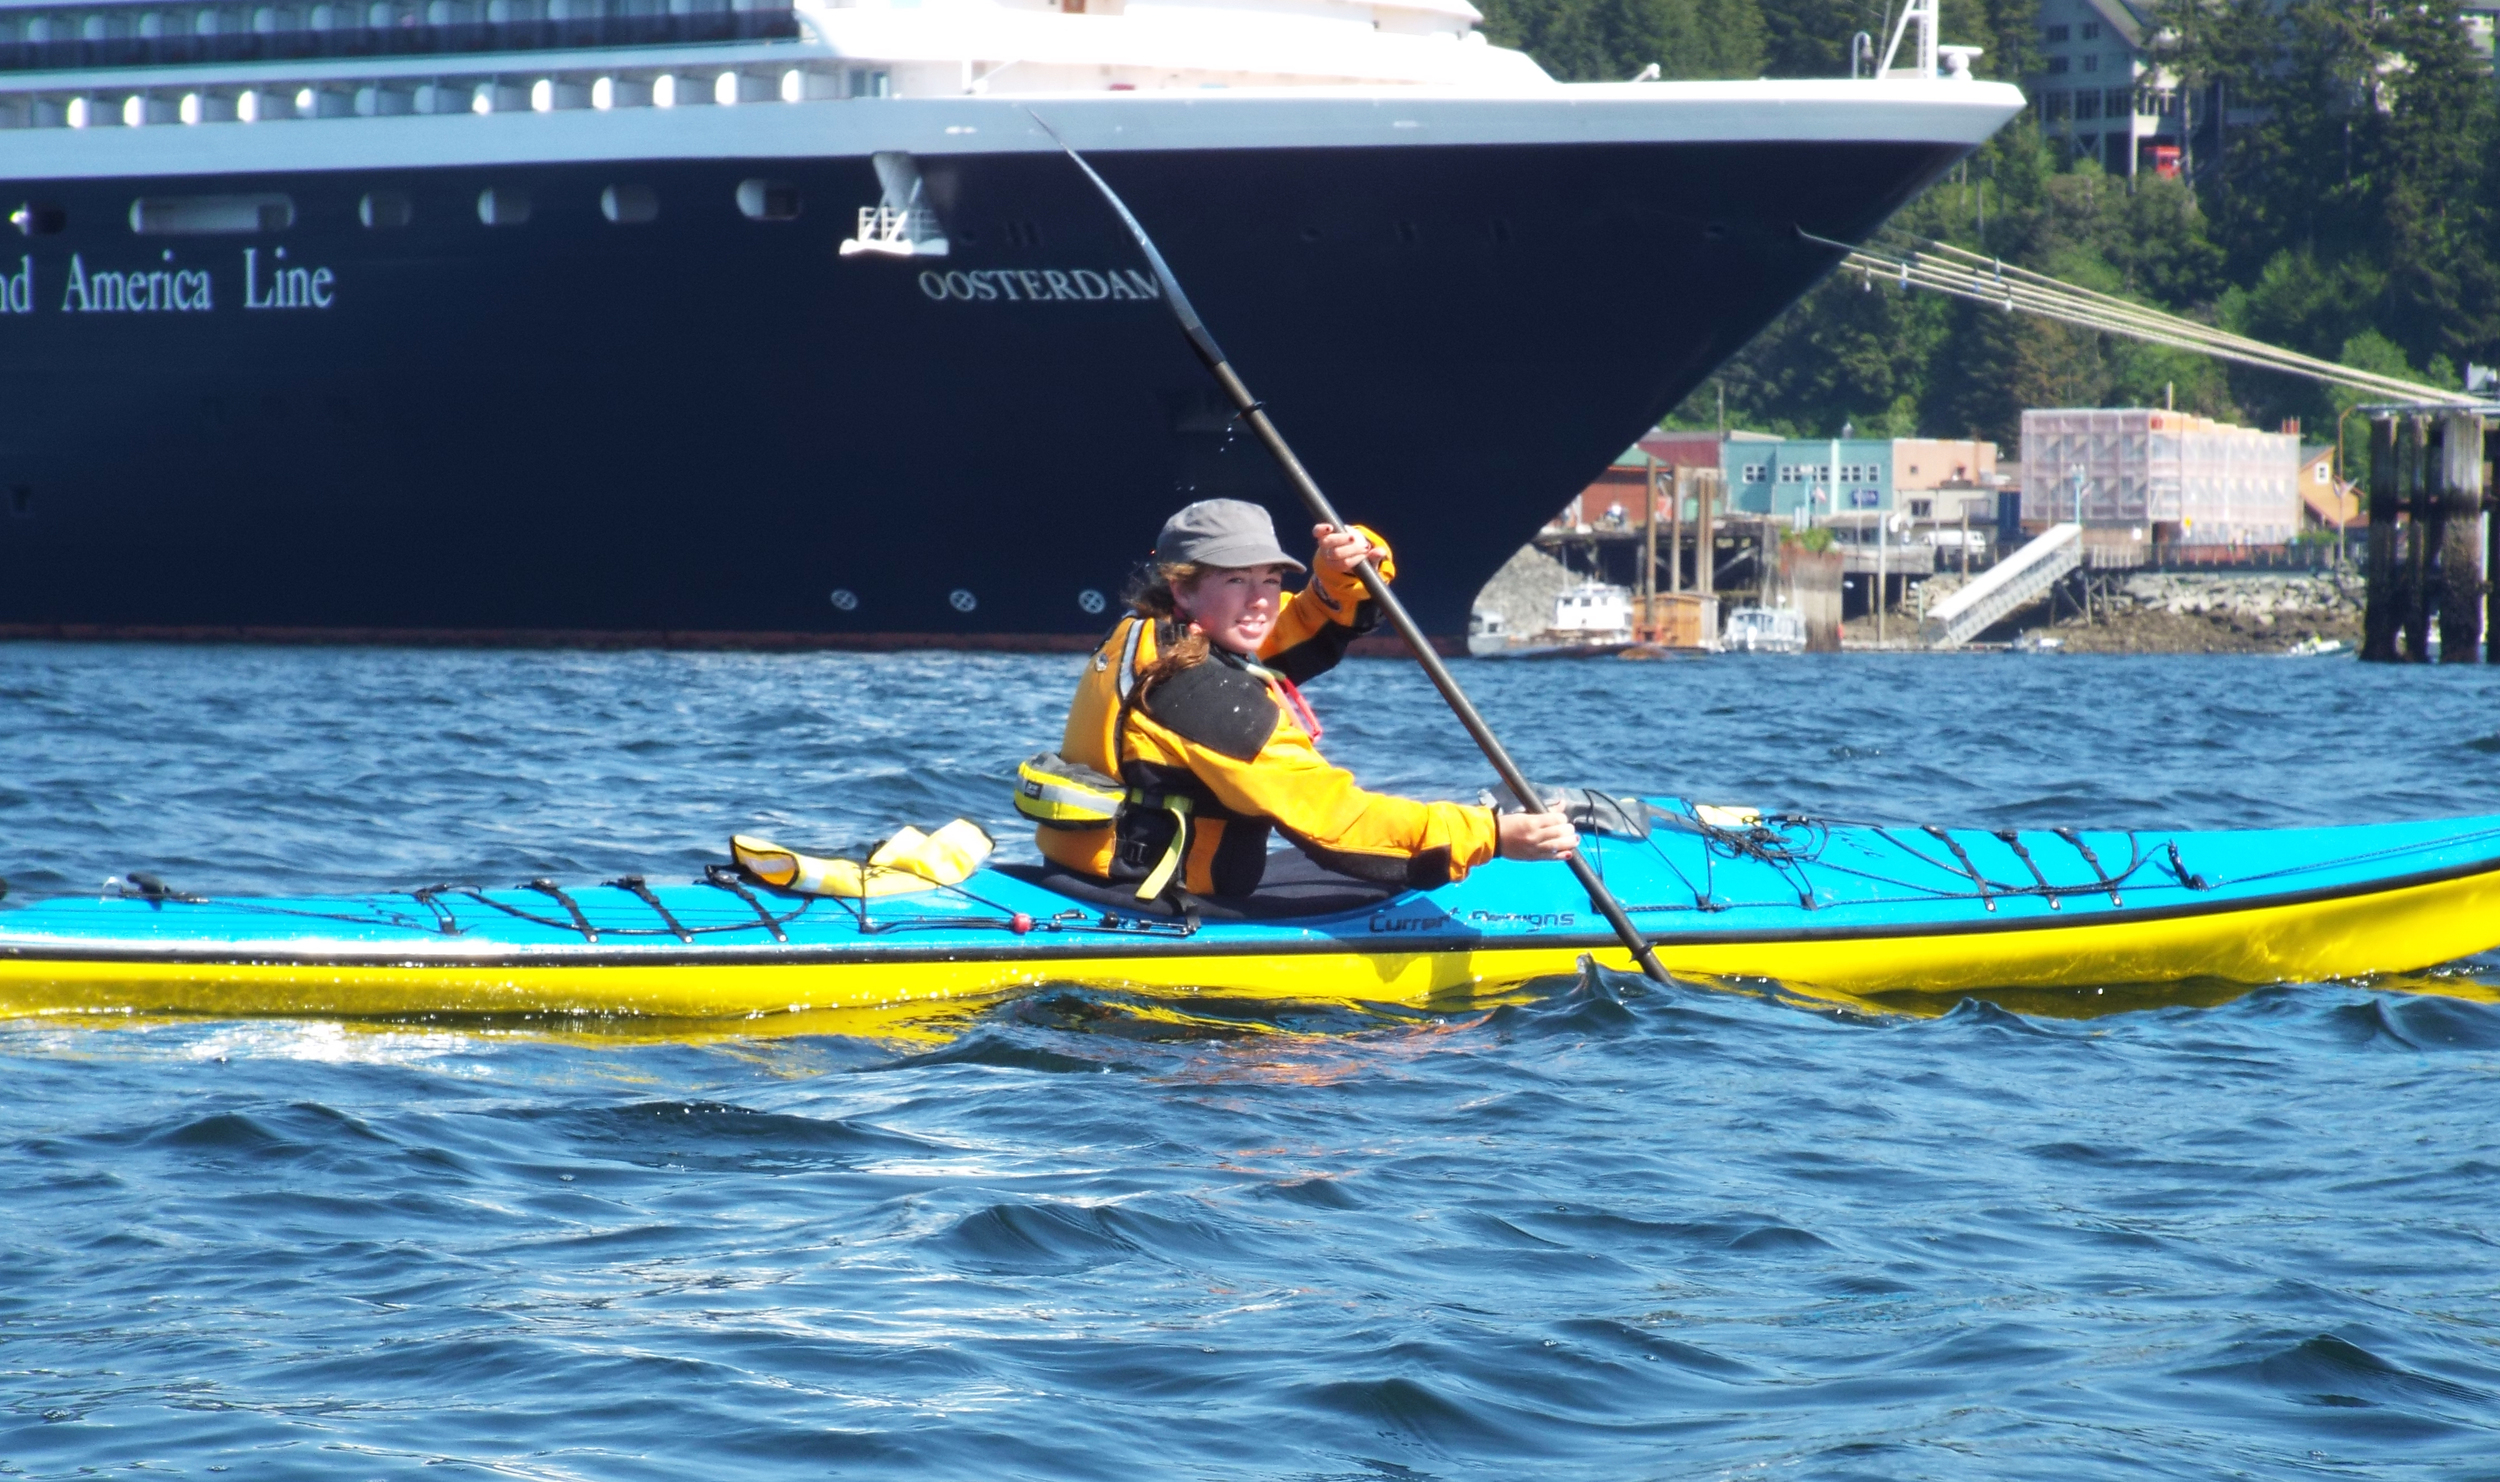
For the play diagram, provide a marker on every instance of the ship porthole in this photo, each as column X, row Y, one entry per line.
column 1090, row 600
column 768, row 200
column 35, row 219
column 385, row 210
column 845, row 600
column 961, row 600
column 501, row 205
column 630, row 205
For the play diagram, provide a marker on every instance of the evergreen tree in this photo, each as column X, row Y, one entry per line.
column 2342, row 199
column 1612, row 40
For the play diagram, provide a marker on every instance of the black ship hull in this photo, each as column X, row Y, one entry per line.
column 707, row 428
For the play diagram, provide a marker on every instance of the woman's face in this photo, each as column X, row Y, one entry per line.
column 1234, row 606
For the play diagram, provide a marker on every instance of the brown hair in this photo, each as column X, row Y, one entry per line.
column 1149, row 595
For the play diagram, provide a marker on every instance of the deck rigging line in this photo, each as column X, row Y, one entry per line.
column 2013, row 840
column 2094, row 860
column 1787, row 845
column 642, row 891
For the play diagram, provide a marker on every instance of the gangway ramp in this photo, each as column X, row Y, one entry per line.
column 2012, row 583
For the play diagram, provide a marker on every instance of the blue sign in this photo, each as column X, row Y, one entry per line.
column 1866, row 498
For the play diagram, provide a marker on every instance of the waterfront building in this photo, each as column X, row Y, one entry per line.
column 1613, row 500
column 2327, row 501
column 2169, row 477
column 1930, row 480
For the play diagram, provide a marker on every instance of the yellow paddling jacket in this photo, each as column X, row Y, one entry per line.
column 1214, row 759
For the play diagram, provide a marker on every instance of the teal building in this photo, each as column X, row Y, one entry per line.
column 1778, row 476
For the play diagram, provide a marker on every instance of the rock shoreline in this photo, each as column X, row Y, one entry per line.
column 2182, row 612
column 2172, row 612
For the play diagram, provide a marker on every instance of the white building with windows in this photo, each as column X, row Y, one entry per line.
column 2100, row 93
column 2170, row 477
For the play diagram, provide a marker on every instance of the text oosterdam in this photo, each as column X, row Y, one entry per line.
column 1042, row 285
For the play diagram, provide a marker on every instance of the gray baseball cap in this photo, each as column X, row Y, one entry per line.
column 1222, row 532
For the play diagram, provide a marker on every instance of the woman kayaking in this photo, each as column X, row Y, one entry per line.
column 1189, row 742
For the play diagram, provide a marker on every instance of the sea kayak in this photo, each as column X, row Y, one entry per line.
column 1819, row 905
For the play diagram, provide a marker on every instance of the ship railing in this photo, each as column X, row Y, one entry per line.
column 110, row 35
column 1927, row 60
column 896, row 231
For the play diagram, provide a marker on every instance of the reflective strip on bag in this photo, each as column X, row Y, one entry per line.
column 1057, row 794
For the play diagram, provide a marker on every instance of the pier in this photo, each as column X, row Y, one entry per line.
column 2433, row 544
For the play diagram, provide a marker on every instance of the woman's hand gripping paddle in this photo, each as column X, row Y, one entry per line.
column 1256, row 415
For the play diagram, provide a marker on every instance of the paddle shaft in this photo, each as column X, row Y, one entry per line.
column 1255, row 414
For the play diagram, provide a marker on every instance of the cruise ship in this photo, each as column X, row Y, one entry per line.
column 740, row 322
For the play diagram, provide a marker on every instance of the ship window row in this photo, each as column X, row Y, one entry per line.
column 155, row 35
column 490, row 95
column 384, row 210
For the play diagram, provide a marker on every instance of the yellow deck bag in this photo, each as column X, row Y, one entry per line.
column 909, row 861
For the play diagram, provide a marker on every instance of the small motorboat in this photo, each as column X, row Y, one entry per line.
column 1591, row 620
column 1764, row 630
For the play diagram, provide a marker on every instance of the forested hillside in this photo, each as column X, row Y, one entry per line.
column 2348, row 210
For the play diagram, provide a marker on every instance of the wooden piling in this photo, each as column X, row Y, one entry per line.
column 1675, row 530
column 2461, row 579
column 1811, row 581
column 2413, row 614
column 2430, row 514
column 1706, row 549
column 2378, row 604
column 2491, row 548
column 1649, row 558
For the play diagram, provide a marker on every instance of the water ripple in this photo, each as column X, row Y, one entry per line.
column 1603, row 1230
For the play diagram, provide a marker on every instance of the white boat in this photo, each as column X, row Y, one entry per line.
column 1488, row 633
column 1590, row 621
column 1764, row 630
column 1592, row 614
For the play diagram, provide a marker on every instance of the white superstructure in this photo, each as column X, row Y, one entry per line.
column 126, row 78
column 134, row 65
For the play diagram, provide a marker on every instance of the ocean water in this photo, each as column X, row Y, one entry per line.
column 1606, row 1231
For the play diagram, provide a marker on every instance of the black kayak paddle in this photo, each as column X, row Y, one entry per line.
column 1255, row 413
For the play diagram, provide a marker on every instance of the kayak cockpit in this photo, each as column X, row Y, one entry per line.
column 1292, row 888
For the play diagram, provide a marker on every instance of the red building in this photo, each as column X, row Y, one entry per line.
column 1614, row 500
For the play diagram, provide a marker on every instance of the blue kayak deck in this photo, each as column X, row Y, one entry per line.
column 1786, row 879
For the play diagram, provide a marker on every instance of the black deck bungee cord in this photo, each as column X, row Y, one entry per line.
column 2094, row 860
column 642, row 891
column 581, row 923
column 2013, row 839
column 725, row 878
